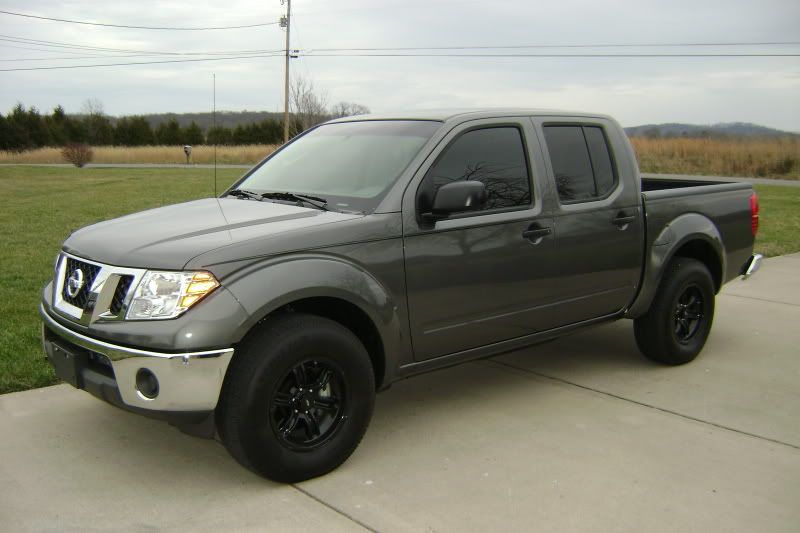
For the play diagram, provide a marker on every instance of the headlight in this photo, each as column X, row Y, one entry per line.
column 163, row 295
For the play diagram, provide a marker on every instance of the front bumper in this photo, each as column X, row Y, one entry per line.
column 187, row 382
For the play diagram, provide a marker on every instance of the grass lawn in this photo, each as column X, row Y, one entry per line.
column 779, row 220
column 42, row 205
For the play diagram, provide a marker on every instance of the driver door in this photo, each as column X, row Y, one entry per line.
column 484, row 276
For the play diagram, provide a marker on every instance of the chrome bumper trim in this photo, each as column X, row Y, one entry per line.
column 752, row 265
column 188, row 381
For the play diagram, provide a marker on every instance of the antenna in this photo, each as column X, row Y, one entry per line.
column 214, row 126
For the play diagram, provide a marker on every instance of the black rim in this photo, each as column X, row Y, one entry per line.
column 307, row 408
column 688, row 315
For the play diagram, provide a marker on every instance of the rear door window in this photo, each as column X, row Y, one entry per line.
column 581, row 161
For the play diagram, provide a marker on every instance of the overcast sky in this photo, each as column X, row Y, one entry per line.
column 764, row 90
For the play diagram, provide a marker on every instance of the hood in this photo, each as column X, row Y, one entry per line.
column 168, row 237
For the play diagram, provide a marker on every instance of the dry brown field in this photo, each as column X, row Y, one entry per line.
column 759, row 158
column 148, row 154
column 770, row 158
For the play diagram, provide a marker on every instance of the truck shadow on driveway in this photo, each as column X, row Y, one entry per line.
column 472, row 398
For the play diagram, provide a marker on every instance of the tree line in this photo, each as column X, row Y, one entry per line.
column 26, row 128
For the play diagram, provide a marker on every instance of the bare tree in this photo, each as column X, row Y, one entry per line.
column 308, row 106
column 98, row 126
column 92, row 107
column 348, row 109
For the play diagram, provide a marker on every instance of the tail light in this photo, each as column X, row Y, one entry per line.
column 754, row 213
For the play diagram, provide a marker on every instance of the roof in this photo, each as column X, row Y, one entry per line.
column 444, row 115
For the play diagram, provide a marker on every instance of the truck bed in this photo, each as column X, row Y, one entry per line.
column 725, row 205
column 660, row 184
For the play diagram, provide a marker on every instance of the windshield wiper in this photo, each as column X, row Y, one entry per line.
column 315, row 201
column 241, row 193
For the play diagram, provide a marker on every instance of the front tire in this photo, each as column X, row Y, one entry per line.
column 675, row 328
column 297, row 399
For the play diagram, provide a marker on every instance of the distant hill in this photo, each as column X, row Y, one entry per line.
column 231, row 119
column 728, row 129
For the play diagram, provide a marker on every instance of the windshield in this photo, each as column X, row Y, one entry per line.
column 350, row 164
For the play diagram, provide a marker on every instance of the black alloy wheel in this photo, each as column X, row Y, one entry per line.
column 688, row 315
column 308, row 406
column 297, row 397
column 675, row 328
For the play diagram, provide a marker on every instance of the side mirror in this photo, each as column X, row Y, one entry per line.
column 457, row 197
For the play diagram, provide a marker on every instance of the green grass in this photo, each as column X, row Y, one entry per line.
column 779, row 224
column 42, row 205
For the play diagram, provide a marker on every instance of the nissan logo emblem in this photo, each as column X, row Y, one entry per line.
column 75, row 283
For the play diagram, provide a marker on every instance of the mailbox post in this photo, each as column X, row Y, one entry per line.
column 188, row 151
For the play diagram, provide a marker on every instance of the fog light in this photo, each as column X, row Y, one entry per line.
column 146, row 383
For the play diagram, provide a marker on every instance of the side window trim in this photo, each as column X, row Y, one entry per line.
column 612, row 158
column 591, row 163
column 614, row 173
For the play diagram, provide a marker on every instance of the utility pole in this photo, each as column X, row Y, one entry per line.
column 286, row 21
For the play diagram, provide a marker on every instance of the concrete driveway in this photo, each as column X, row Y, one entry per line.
column 581, row 434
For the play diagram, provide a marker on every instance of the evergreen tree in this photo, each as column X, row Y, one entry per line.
column 5, row 134
column 193, row 135
column 220, row 135
column 169, row 133
column 55, row 125
column 133, row 131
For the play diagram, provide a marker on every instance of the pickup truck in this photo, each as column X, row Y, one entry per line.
column 372, row 248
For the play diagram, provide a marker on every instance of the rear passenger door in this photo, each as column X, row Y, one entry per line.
column 597, row 218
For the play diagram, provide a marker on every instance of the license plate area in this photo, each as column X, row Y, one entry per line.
column 68, row 363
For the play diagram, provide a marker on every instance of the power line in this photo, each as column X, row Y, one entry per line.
column 170, row 28
column 57, row 44
column 39, row 49
column 115, row 56
column 81, row 47
column 107, row 56
column 524, row 46
column 314, row 51
column 304, row 54
column 59, row 67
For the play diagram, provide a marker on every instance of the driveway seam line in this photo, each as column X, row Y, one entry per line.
column 643, row 404
column 335, row 509
column 761, row 299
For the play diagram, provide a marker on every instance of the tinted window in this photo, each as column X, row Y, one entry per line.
column 493, row 156
column 351, row 164
column 571, row 163
column 601, row 159
column 581, row 161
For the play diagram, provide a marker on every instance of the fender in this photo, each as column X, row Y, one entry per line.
column 265, row 286
column 681, row 231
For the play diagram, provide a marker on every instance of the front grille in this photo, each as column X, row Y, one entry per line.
column 88, row 273
column 119, row 295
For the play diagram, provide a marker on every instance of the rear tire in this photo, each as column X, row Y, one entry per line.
column 675, row 328
column 297, row 398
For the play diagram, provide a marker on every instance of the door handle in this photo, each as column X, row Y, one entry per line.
column 535, row 235
column 622, row 220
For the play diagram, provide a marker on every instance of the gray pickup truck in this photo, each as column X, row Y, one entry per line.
column 373, row 248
